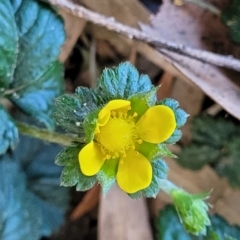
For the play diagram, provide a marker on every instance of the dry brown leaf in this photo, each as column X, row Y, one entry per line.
column 73, row 27
column 89, row 201
column 192, row 26
column 123, row 218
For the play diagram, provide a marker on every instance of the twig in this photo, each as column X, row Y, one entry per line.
column 133, row 33
column 205, row 5
column 46, row 135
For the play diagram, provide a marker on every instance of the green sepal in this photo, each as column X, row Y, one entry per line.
column 107, row 175
column 231, row 18
column 89, row 125
column 154, row 151
column 192, row 210
column 72, row 174
column 176, row 136
column 90, row 98
column 141, row 102
column 160, row 171
column 122, row 82
column 69, row 113
column 8, row 132
column 76, row 113
column 172, row 103
column 180, row 116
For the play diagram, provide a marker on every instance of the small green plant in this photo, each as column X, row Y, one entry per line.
column 118, row 132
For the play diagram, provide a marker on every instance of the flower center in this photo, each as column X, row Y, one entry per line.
column 117, row 135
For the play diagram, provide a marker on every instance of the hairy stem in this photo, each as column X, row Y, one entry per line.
column 43, row 134
column 167, row 186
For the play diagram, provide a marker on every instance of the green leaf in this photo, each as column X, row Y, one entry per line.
column 72, row 174
column 170, row 228
column 231, row 18
column 37, row 76
column 212, row 145
column 8, row 132
column 8, row 44
column 123, row 82
column 229, row 165
column 196, row 156
column 19, row 215
column 160, row 171
column 42, row 175
column 36, row 99
column 208, row 130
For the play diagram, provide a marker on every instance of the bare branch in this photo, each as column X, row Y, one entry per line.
column 133, row 33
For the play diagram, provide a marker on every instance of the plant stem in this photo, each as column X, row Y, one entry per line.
column 167, row 186
column 53, row 137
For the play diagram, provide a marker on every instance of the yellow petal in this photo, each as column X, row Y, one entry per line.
column 117, row 104
column 157, row 124
column 91, row 159
column 134, row 172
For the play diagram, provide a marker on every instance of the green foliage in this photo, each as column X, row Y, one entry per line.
column 215, row 142
column 154, row 151
column 71, row 174
column 140, row 102
column 78, row 114
column 129, row 82
column 73, row 112
column 31, row 36
column 8, row 132
column 170, row 228
column 8, row 44
column 231, row 18
column 192, row 210
column 181, row 118
column 32, row 204
column 17, row 208
column 107, row 175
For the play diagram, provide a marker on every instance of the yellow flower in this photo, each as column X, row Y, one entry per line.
column 117, row 136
